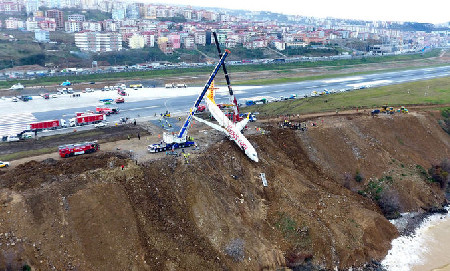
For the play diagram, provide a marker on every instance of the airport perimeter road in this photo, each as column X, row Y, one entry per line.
column 148, row 103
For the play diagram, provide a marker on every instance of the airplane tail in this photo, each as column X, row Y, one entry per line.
column 211, row 92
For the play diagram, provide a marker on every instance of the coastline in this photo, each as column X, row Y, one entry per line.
column 423, row 247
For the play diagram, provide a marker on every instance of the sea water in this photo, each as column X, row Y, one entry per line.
column 428, row 248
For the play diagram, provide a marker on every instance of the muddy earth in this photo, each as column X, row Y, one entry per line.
column 211, row 211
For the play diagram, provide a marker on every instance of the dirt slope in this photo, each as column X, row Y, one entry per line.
column 213, row 213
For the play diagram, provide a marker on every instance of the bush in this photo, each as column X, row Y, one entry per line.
column 439, row 174
column 389, row 203
column 359, row 177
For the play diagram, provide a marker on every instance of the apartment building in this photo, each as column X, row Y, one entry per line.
column 71, row 26
column 76, row 17
column 14, row 23
column 10, row 7
column 92, row 26
column 42, row 36
column 58, row 15
column 98, row 42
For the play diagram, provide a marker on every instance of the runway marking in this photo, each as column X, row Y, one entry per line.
column 12, row 124
column 139, row 108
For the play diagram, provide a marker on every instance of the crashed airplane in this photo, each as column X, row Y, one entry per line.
column 232, row 130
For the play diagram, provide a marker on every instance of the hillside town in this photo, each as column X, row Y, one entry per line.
column 138, row 25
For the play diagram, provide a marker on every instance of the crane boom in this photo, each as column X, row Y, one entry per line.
column 183, row 129
column 230, row 90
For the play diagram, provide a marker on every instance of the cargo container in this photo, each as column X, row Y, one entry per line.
column 41, row 125
column 86, row 119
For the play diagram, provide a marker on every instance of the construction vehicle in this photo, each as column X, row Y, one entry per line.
column 66, row 83
column 387, row 109
column 294, row 125
column 78, row 149
column 134, row 86
column 403, row 110
column 233, row 100
column 375, row 112
column 181, row 140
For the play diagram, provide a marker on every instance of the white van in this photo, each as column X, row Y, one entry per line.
column 12, row 138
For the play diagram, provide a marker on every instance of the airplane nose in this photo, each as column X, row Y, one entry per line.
column 255, row 158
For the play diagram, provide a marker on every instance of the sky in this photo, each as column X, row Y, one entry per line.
column 423, row 11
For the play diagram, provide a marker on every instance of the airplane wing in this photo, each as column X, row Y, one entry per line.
column 210, row 124
column 241, row 125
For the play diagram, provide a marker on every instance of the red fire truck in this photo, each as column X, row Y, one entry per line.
column 77, row 149
column 106, row 110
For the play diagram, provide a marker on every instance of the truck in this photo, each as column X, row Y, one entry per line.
column 169, row 85
column 26, row 98
column 86, row 119
column 172, row 141
column 106, row 110
column 201, row 108
column 78, row 149
column 41, row 125
column 181, row 86
column 134, row 86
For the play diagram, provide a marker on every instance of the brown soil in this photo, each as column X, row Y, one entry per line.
column 213, row 213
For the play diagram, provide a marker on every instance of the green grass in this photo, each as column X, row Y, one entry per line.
column 288, row 67
column 435, row 91
column 23, row 154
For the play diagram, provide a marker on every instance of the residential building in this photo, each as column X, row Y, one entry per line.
column 118, row 12
column 175, row 40
column 76, row 17
column 136, row 42
column 73, row 26
column 200, row 37
column 189, row 42
column 42, row 35
column 58, row 15
column 53, row 3
column 164, row 45
column 92, row 26
column 14, row 23
column 10, row 7
column 32, row 24
column 48, row 25
column 98, row 42
column 110, row 26
column 133, row 11
column 150, row 12
column 149, row 38
column 31, row 6
column 279, row 45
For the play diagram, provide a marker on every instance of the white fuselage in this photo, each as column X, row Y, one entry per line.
column 231, row 130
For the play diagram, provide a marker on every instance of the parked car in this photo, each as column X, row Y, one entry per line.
column 12, row 138
column 100, row 124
